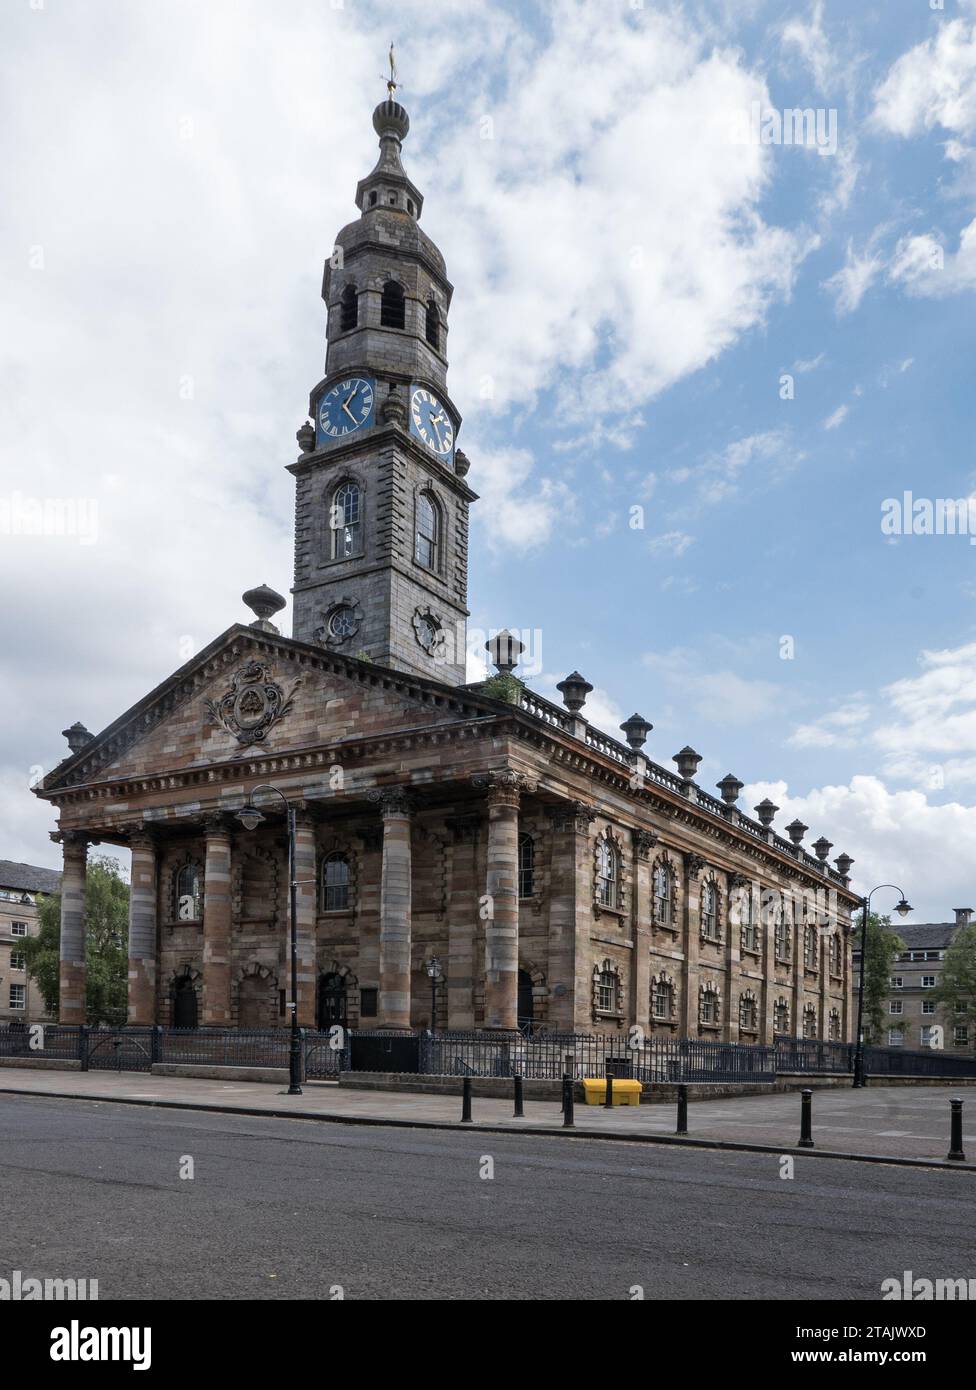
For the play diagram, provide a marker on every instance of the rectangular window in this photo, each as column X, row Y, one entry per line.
column 927, row 1006
column 17, row 996
column 18, row 928
column 895, row 1037
column 933, row 955
column 18, row 961
column 896, row 981
column 928, row 982
column 960, row 1035
column 896, row 1006
column 927, row 1036
column 367, row 1003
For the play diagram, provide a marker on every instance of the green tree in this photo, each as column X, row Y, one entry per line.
column 956, row 991
column 883, row 946
column 106, row 945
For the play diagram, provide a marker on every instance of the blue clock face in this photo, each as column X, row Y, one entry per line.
column 430, row 422
column 347, row 407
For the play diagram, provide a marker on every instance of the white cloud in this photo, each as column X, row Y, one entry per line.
column 836, row 418
column 720, row 696
column 855, row 277
column 933, row 84
column 839, row 728
column 921, row 265
column 893, row 836
column 809, row 38
column 673, row 543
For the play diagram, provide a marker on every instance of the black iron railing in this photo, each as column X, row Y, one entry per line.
column 539, row 1055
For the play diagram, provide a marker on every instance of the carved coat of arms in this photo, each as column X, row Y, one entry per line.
column 253, row 704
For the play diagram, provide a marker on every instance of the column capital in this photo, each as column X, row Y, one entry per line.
column 694, row 863
column 644, row 842
column 73, row 841
column 141, row 835
column 392, row 801
column 572, row 815
column 504, row 786
column 216, row 823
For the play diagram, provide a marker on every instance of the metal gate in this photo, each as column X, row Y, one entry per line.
column 120, row 1049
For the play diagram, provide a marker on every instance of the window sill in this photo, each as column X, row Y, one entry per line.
column 751, row 951
column 611, row 911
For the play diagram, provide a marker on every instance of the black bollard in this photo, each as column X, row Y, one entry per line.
column 806, row 1119
column 608, row 1102
column 466, row 1101
column 568, row 1122
column 682, row 1110
column 956, row 1154
column 518, row 1113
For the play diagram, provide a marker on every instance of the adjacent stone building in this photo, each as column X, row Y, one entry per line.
column 912, row 1018
column 21, row 886
column 560, row 878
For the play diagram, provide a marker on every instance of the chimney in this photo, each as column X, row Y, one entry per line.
column 963, row 916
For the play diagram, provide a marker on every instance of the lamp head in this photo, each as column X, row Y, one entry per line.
column 250, row 817
column 903, row 908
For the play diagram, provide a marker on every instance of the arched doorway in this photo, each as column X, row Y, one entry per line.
column 525, row 1001
column 332, row 1000
column 184, row 1000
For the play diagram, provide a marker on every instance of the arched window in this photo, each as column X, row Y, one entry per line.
column 433, row 325
column 607, row 990
column 428, row 531
column 392, row 307
column 748, row 1012
column 526, row 866
column 809, row 1022
column 346, row 519
column 781, row 1016
column 810, row 948
column 708, row 1005
column 349, row 309
column 335, row 883
column 834, row 1026
column 608, row 875
column 709, row 912
column 188, row 894
column 746, row 912
column 782, row 933
column 662, row 998
column 835, row 954
column 664, row 908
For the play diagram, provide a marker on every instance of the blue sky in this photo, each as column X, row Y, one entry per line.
column 631, row 285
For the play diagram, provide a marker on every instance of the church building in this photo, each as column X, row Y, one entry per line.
column 467, row 856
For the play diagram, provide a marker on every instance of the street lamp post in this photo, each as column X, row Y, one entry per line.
column 250, row 817
column 435, row 975
column 903, row 908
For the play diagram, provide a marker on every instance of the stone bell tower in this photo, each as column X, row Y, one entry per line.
column 381, row 513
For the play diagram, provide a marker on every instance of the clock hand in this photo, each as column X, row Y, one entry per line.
column 345, row 406
column 433, row 424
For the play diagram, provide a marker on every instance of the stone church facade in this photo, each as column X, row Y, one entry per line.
column 561, row 878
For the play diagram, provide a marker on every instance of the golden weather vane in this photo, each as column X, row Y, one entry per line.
column 391, row 81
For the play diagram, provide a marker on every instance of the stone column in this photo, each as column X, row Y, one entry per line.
column 71, row 973
column 395, row 920
column 501, row 886
column 216, row 925
column 734, row 984
column 305, row 915
column 640, row 1007
column 462, row 918
column 691, row 932
column 142, row 929
column 570, row 915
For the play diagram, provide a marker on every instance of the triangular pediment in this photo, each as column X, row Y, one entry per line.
column 255, row 692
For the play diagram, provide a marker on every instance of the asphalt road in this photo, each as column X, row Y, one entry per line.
column 283, row 1209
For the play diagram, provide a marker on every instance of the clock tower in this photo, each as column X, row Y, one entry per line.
column 381, row 512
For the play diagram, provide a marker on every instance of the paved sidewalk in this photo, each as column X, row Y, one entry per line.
column 897, row 1122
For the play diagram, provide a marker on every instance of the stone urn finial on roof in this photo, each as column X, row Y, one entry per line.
column 263, row 602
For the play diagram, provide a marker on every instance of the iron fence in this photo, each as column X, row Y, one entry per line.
column 539, row 1055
